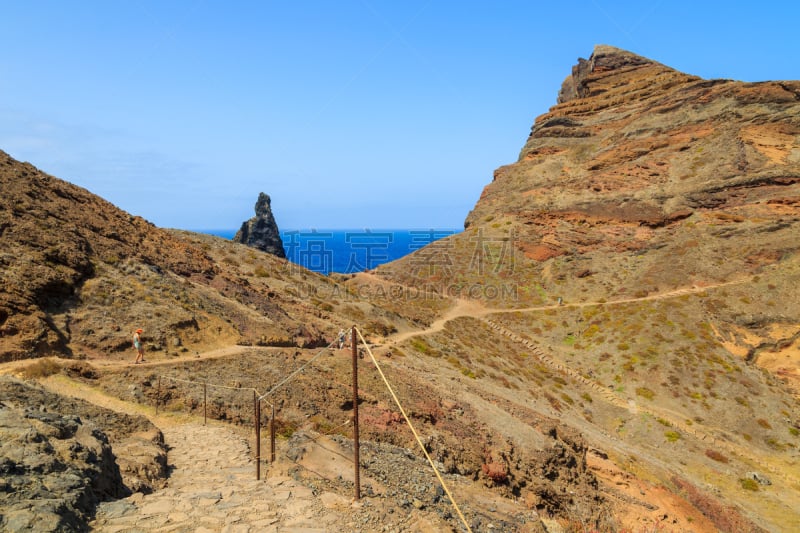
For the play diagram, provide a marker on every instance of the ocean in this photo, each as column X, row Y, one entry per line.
column 349, row 250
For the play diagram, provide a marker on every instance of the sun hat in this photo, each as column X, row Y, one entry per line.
column 140, row 330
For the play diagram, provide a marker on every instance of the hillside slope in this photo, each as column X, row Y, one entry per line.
column 79, row 275
column 612, row 343
column 643, row 253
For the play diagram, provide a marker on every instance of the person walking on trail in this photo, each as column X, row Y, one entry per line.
column 340, row 339
column 137, row 345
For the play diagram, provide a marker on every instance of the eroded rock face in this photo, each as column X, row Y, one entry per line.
column 55, row 469
column 604, row 59
column 640, row 160
column 633, row 142
column 261, row 231
column 56, row 464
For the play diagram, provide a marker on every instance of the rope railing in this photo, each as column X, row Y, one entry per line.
column 258, row 397
column 414, row 431
column 256, row 412
column 207, row 384
column 300, row 369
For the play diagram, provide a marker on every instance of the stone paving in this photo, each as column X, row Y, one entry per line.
column 212, row 488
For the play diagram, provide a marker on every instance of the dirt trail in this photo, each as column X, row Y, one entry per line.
column 476, row 309
column 470, row 308
column 172, row 360
column 694, row 289
column 212, row 485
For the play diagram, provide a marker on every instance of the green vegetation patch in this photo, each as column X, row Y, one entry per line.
column 749, row 484
column 644, row 392
column 423, row 347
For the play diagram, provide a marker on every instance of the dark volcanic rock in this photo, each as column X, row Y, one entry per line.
column 261, row 231
column 55, row 462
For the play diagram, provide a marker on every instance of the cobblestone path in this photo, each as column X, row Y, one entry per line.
column 212, row 488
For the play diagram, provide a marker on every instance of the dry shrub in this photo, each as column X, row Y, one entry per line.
column 644, row 392
column 285, row 427
column 497, row 472
column 41, row 369
column 725, row 518
column 715, row 455
column 79, row 369
column 378, row 327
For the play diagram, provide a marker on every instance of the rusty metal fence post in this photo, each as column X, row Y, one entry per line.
column 257, row 427
column 158, row 393
column 258, row 441
column 272, row 436
column 356, row 452
column 205, row 387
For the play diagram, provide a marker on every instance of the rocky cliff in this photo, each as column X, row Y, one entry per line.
column 56, row 460
column 639, row 160
column 632, row 141
column 645, row 244
column 261, row 231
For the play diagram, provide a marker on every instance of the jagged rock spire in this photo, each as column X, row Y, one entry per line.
column 604, row 59
column 261, row 231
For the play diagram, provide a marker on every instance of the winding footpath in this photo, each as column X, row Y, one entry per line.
column 212, row 485
column 473, row 309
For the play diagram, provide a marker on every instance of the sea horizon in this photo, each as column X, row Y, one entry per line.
column 348, row 250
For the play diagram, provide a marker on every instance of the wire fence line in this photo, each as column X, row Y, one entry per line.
column 300, row 369
column 258, row 397
column 207, row 384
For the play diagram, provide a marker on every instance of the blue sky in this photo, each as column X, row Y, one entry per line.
column 349, row 113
